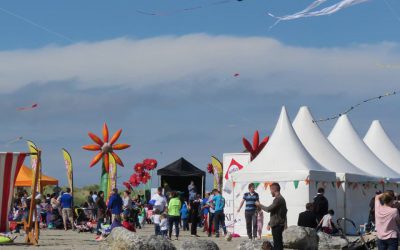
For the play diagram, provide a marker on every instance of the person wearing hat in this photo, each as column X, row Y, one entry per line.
column 115, row 205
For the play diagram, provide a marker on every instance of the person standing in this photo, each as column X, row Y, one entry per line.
column 250, row 213
column 127, row 203
column 185, row 217
column 387, row 222
column 101, row 211
column 278, row 212
column 211, row 214
column 219, row 216
column 115, row 205
column 174, row 207
column 205, row 210
column 307, row 218
column 66, row 205
column 260, row 221
column 160, row 202
column 192, row 191
column 321, row 204
column 194, row 215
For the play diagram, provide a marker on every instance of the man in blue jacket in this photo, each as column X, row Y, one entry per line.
column 115, row 205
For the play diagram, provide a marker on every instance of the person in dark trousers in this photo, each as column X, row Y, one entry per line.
column 115, row 205
column 219, row 216
column 307, row 218
column 174, row 216
column 194, row 214
column 250, row 211
column 278, row 218
column 101, row 211
column 321, row 204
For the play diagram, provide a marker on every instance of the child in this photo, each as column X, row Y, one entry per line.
column 327, row 224
column 126, row 224
column 185, row 217
column 156, row 221
column 163, row 225
column 260, row 222
column 141, row 216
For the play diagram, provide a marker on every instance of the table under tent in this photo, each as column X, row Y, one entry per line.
column 284, row 160
column 179, row 174
column 355, row 187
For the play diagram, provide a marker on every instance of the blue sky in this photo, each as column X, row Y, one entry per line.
column 167, row 80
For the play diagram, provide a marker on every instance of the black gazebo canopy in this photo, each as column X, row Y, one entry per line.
column 178, row 175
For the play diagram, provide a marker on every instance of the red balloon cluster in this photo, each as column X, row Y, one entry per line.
column 141, row 174
column 210, row 168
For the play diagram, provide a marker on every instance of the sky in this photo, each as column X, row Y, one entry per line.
column 168, row 81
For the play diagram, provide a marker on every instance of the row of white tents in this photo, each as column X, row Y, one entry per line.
column 302, row 159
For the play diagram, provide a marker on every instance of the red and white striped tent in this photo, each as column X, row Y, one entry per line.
column 10, row 164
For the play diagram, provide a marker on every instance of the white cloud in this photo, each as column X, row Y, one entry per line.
column 265, row 65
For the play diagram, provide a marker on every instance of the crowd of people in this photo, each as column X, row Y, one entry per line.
column 173, row 211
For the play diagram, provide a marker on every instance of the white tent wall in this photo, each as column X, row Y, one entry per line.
column 354, row 198
column 230, row 200
column 296, row 198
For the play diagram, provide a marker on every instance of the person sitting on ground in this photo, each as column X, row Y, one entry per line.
column 327, row 223
column 126, row 224
column 307, row 218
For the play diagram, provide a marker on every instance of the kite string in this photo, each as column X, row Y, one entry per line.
column 392, row 10
column 356, row 106
column 171, row 12
column 26, row 20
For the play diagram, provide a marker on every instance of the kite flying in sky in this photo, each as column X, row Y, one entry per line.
column 35, row 105
column 307, row 12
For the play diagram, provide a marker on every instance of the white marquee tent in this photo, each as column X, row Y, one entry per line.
column 351, row 202
column 346, row 140
column 379, row 142
column 286, row 161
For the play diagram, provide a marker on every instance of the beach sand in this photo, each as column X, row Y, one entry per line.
column 63, row 240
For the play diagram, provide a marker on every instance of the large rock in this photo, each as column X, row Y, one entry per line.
column 255, row 245
column 327, row 241
column 303, row 238
column 159, row 243
column 122, row 239
column 198, row 244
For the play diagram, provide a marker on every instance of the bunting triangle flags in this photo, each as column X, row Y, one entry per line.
column 338, row 184
column 316, row 184
column 307, row 180
column 296, row 184
column 333, row 184
column 256, row 184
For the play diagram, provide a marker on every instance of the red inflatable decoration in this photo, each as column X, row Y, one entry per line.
column 256, row 148
column 141, row 174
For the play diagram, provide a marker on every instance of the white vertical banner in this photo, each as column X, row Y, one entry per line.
column 233, row 192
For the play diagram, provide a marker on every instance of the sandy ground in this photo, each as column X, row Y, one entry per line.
column 63, row 240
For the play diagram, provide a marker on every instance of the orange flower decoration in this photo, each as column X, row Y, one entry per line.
column 106, row 148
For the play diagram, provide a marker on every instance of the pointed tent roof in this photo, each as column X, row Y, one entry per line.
column 321, row 149
column 379, row 142
column 181, row 167
column 283, row 158
column 346, row 140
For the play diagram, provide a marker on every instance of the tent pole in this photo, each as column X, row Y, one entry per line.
column 202, row 186
column 345, row 205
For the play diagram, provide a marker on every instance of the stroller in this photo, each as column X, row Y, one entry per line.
column 82, row 222
column 363, row 243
